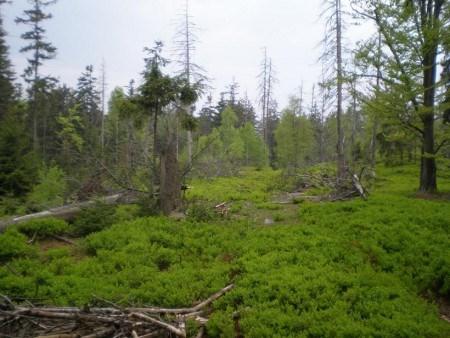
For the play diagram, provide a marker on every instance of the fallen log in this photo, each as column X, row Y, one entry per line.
column 69, row 212
column 71, row 322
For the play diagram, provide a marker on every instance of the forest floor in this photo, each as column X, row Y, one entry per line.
column 376, row 268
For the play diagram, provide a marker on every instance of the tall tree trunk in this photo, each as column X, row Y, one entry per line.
column 373, row 145
column 190, row 142
column 170, row 186
column 428, row 163
column 340, row 142
column 155, row 150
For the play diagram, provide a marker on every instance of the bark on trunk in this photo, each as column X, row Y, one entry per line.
column 340, row 143
column 170, row 186
column 428, row 163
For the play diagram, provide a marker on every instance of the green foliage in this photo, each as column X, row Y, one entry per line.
column 11, row 206
column 126, row 212
column 200, row 211
column 13, row 245
column 50, row 190
column 44, row 227
column 94, row 219
column 249, row 185
column 70, row 134
column 229, row 135
column 294, row 140
column 254, row 150
column 17, row 163
column 6, row 73
column 349, row 269
column 227, row 148
column 158, row 89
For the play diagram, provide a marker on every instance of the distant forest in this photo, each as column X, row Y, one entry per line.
column 385, row 101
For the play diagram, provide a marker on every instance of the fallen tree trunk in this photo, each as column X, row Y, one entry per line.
column 69, row 212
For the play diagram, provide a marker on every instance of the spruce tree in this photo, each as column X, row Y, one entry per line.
column 6, row 73
column 17, row 170
column 88, row 97
column 40, row 50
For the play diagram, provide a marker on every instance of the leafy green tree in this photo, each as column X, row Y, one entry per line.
column 254, row 150
column 294, row 139
column 233, row 147
column 6, row 73
column 414, row 32
column 50, row 190
column 224, row 150
column 70, row 137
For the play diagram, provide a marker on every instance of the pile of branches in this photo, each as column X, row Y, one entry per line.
column 347, row 187
column 112, row 321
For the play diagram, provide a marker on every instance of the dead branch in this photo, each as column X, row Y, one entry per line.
column 196, row 308
column 173, row 329
column 71, row 322
column 63, row 239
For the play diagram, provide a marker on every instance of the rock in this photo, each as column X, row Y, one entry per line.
column 177, row 216
column 268, row 221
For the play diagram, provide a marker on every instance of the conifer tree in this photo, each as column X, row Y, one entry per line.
column 6, row 73
column 88, row 97
column 17, row 170
column 40, row 50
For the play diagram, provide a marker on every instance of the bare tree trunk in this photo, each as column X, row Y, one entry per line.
column 340, row 143
column 156, row 150
column 373, row 145
column 103, row 93
column 189, row 139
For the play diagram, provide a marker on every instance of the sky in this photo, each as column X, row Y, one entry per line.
column 231, row 37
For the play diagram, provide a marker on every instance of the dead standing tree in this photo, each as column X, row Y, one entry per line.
column 267, row 78
column 190, row 72
column 333, row 56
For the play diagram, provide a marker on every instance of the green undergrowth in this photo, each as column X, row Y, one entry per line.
column 347, row 269
column 250, row 185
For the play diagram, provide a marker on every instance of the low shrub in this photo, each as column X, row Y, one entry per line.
column 126, row 212
column 94, row 219
column 344, row 269
column 201, row 212
column 50, row 190
column 13, row 245
column 44, row 227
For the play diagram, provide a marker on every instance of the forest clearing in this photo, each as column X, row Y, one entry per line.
column 230, row 169
column 344, row 269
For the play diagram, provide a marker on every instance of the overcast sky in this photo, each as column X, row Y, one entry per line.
column 232, row 34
